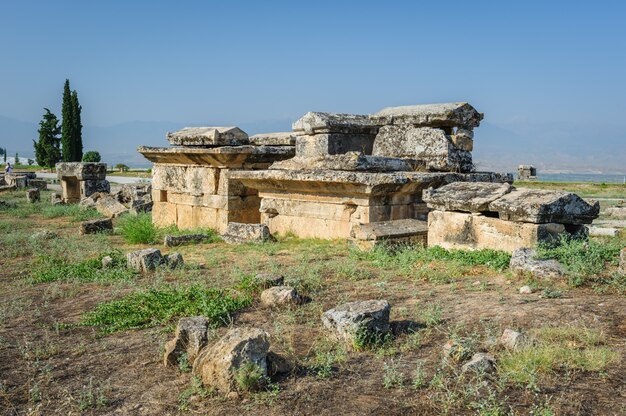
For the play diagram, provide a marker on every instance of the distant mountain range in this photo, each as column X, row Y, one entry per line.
column 549, row 146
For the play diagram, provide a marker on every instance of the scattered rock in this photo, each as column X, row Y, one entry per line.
column 481, row 363
column 56, row 199
column 268, row 280
column 174, row 260
column 179, row 240
column 144, row 260
column 525, row 290
column 96, row 226
column 110, row 207
column 218, row 364
column 33, row 195
column 191, row 336
column 356, row 318
column 603, row 231
column 238, row 233
column 44, row 235
column 107, row 261
column 90, row 201
column 522, row 260
column 279, row 296
column 513, row 340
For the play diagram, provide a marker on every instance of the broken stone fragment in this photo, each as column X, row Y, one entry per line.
column 459, row 114
column 480, row 363
column 56, row 199
column 406, row 231
column 525, row 290
column 320, row 145
column 144, row 260
column 523, row 261
column 280, row 296
column 208, row 136
column 273, row 139
column 513, row 340
column 432, row 145
column 179, row 240
column 465, row 196
column 107, row 262
column 90, row 201
column 109, row 206
column 191, row 336
column 96, row 226
column 352, row 320
column 174, row 260
column 33, row 195
column 219, row 363
column 540, row 207
column 266, row 281
column 316, row 123
column 238, row 233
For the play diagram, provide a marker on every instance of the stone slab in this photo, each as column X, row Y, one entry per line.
column 465, row 196
column 316, row 122
column 351, row 161
column 273, row 139
column 460, row 114
column 405, row 231
column 208, row 136
column 319, row 145
column 222, row 157
column 81, row 170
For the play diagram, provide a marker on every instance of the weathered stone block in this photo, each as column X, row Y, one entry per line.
column 406, row 231
column 144, row 260
column 96, row 226
column 208, row 136
column 82, row 171
column 237, row 233
column 179, row 240
column 89, row 187
column 218, row 364
column 356, row 319
column 174, row 260
column 320, row 145
column 465, row 196
column 540, row 206
column 431, row 145
column 33, row 195
column 430, row 115
column 457, row 230
column 56, row 199
column 109, row 206
column 316, row 123
column 191, row 336
column 279, row 296
column 481, row 363
column 40, row 184
column 513, row 340
column 274, row 139
column 523, row 261
column 351, row 161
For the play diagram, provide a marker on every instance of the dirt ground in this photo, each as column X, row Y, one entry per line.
column 48, row 367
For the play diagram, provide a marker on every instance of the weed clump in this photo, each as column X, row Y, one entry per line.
column 138, row 229
column 50, row 269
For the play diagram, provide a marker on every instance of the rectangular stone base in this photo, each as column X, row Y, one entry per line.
column 407, row 231
column 458, row 230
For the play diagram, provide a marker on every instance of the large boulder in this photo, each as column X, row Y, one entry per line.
column 523, row 261
column 465, row 196
column 144, row 260
column 355, row 320
column 96, row 226
column 191, row 336
column 208, row 136
column 219, row 364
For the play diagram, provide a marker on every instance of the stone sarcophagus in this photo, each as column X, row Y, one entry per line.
column 81, row 179
column 191, row 183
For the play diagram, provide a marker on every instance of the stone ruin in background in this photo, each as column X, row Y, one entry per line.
column 80, row 180
column 526, row 173
column 349, row 176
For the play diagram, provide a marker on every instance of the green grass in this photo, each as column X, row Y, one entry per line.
column 49, row 269
column 139, row 229
column 160, row 306
column 583, row 259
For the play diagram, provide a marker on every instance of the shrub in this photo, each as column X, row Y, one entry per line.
column 91, row 156
column 138, row 229
column 49, row 269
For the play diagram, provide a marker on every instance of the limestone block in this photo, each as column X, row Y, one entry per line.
column 95, row 226
column 89, row 187
column 406, row 231
column 273, row 139
column 174, row 260
column 316, row 123
column 305, row 227
column 17, row 181
column 523, row 261
column 243, row 157
column 354, row 319
column 431, row 145
column 351, row 161
column 33, row 195
column 320, row 145
column 55, row 198
column 457, row 230
column 208, row 136
column 279, row 296
column 462, row 142
column 218, row 364
column 110, row 207
column 465, row 196
column 540, row 206
column 192, row 180
column 40, row 184
column 237, row 233
column 430, row 115
column 163, row 214
column 603, row 231
column 191, row 336
column 179, row 240
column 144, row 260
column 481, row 363
column 82, row 171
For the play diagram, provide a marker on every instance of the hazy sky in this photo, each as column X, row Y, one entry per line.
column 195, row 62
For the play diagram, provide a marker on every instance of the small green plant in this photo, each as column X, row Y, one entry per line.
column 195, row 389
column 551, row 293
column 419, row 377
column 325, row 359
column 92, row 396
column 249, row 377
column 138, row 229
column 183, row 363
column 392, row 377
column 49, row 269
column 365, row 338
column 431, row 314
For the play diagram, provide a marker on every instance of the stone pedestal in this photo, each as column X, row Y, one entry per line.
column 81, row 179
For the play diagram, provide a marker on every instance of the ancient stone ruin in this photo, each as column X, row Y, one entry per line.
column 526, row 173
column 81, row 179
column 191, row 181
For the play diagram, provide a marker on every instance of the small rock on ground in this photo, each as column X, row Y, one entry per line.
column 279, row 296
column 350, row 319
column 191, row 336
column 480, row 362
column 525, row 290
column 522, row 260
column 513, row 340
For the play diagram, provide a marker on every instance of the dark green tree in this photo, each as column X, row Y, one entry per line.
column 5, row 155
column 67, row 125
column 77, row 128
column 91, row 156
column 47, row 149
column 17, row 159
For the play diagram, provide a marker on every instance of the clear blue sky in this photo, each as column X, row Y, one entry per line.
column 193, row 61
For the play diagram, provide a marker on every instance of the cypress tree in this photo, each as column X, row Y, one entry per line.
column 17, row 159
column 67, row 135
column 47, row 150
column 77, row 128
